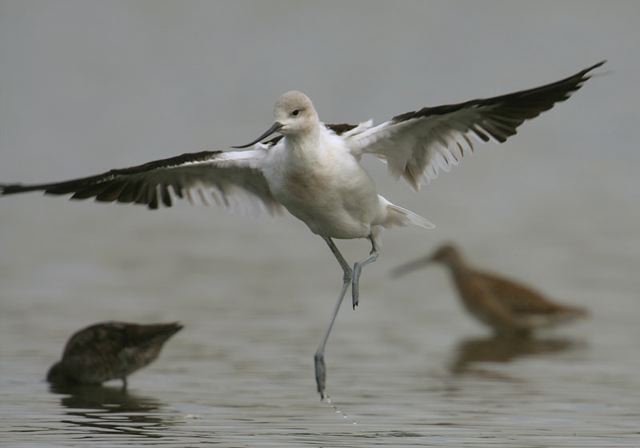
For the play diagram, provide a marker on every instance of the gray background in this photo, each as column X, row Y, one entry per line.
column 86, row 86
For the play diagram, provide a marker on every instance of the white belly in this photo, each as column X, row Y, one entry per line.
column 332, row 194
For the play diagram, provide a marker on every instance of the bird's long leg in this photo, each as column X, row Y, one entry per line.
column 357, row 270
column 319, row 356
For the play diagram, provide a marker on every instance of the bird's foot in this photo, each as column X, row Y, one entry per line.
column 320, row 373
column 355, row 285
column 355, row 295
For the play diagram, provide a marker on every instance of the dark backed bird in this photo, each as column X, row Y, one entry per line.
column 110, row 350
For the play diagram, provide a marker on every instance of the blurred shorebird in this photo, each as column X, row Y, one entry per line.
column 506, row 306
column 313, row 170
column 110, row 350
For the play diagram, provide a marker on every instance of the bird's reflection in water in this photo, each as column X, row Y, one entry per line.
column 503, row 349
column 111, row 410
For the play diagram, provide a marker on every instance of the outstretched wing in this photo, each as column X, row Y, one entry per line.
column 209, row 176
column 422, row 142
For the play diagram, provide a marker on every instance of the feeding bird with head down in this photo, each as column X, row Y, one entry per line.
column 110, row 350
column 313, row 170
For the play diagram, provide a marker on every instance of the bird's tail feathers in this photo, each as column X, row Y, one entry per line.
column 398, row 216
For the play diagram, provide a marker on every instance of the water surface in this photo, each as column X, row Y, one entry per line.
column 87, row 86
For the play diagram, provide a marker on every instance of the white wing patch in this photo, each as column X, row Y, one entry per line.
column 230, row 179
column 419, row 145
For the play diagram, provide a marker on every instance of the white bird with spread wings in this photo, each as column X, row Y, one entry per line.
column 313, row 170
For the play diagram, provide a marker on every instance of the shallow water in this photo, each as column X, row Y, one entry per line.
column 404, row 370
column 556, row 207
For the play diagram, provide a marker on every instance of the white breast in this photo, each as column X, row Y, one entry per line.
column 323, row 185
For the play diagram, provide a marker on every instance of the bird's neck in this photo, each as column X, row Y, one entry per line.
column 457, row 267
column 460, row 274
column 305, row 143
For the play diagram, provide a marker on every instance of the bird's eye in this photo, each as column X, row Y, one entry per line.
column 296, row 112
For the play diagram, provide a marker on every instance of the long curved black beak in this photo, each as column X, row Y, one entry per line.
column 275, row 128
column 411, row 266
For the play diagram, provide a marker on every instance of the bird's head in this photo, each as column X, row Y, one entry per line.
column 446, row 254
column 293, row 114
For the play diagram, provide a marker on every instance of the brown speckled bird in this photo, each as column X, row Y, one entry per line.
column 502, row 304
column 110, row 350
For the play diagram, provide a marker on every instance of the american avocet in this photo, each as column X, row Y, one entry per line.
column 110, row 350
column 313, row 170
column 506, row 306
